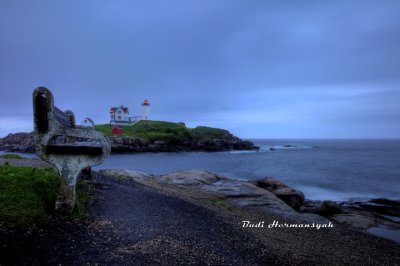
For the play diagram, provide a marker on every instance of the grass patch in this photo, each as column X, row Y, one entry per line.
column 153, row 130
column 171, row 133
column 28, row 195
column 84, row 191
column 106, row 129
column 219, row 202
column 204, row 134
column 11, row 156
column 118, row 176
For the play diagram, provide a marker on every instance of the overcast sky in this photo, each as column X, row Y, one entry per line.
column 262, row 69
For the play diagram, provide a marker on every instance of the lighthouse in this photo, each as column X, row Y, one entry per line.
column 145, row 110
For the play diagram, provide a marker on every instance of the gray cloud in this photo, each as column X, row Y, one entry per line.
column 256, row 68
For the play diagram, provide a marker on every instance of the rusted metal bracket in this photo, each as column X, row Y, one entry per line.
column 83, row 146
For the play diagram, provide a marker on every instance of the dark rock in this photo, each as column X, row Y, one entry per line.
column 386, row 202
column 234, row 189
column 18, row 142
column 24, row 142
column 328, row 208
column 268, row 183
column 356, row 220
column 378, row 206
column 189, row 178
column 121, row 144
column 294, row 198
column 363, row 213
column 309, row 206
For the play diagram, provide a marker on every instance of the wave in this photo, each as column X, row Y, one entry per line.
column 285, row 147
column 241, row 151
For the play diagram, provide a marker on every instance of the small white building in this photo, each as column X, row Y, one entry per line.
column 87, row 122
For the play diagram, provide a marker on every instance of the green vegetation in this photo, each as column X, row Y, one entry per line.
column 106, row 129
column 118, row 176
column 84, row 192
column 169, row 132
column 153, row 130
column 172, row 133
column 28, row 195
column 11, row 156
column 219, row 202
column 208, row 133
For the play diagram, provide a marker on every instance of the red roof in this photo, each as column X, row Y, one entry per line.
column 146, row 102
column 124, row 109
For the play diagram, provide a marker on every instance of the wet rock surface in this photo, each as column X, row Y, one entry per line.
column 358, row 221
column 189, row 177
column 359, row 213
column 325, row 208
column 328, row 207
column 234, row 189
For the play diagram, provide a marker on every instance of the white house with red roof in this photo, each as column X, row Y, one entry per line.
column 120, row 115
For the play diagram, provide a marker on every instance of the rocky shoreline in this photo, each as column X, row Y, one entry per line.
column 135, row 216
column 24, row 143
column 377, row 216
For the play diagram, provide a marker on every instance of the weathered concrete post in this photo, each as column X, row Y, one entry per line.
column 69, row 157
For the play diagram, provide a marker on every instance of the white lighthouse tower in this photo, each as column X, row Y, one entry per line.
column 145, row 110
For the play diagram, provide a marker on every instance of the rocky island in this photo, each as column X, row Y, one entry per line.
column 150, row 136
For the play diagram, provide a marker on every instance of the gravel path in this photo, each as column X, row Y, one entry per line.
column 131, row 224
column 145, row 226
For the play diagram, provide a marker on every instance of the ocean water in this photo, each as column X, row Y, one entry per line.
column 322, row 169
